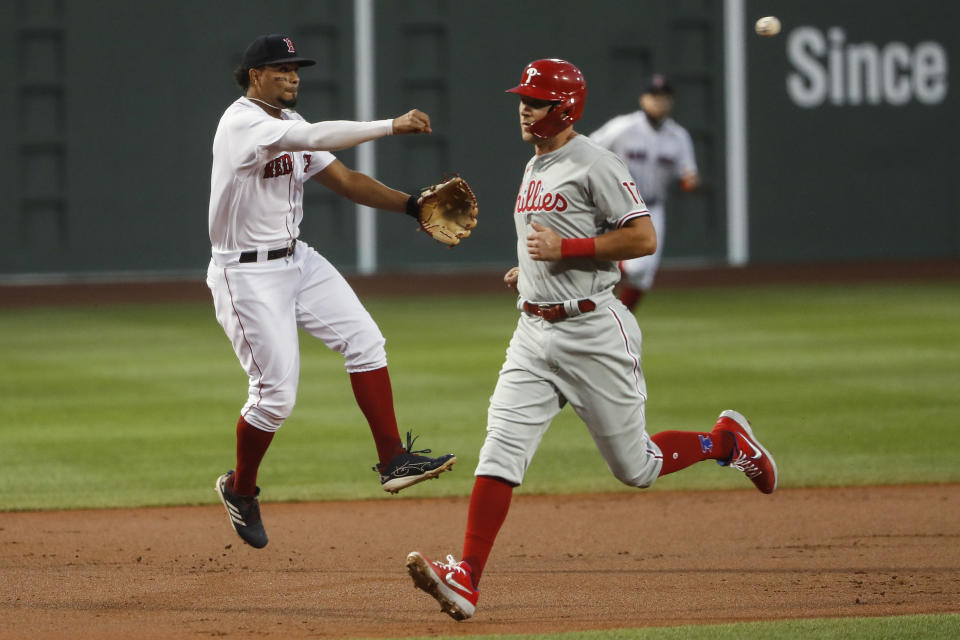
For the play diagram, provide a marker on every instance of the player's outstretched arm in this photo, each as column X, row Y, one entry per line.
column 361, row 188
column 333, row 135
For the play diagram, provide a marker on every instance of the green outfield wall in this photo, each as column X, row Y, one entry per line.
column 853, row 131
column 110, row 109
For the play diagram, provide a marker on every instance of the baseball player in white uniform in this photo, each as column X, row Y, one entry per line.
column 267, row 284
column 657, row 151
column 577, row 213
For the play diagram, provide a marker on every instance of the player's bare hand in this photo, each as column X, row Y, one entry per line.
column 543, row 243
column 510, row 278
column 690, row 181
column 413, row 121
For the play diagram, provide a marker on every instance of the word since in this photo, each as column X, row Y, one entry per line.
column 829, row 69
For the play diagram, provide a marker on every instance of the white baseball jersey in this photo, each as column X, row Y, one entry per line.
column 654, row 156
column 256, row 205
column 256, row 190
column 580, row 191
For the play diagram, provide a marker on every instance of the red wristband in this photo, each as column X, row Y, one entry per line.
column 578, row 247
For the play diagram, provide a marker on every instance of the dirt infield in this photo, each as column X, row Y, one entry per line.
column 561, row 563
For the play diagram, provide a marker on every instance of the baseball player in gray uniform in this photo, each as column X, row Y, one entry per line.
column 267, row 284
column 657, row 151
column 577, row 213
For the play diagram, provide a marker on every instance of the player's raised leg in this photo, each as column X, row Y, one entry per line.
column 330, row 310
column 681, row 449
column 731, row 443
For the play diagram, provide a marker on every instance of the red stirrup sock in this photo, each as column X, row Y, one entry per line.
column 629, row 296
column 683, row 448
column 489, row 504
column 375, row 398
column 252, row 443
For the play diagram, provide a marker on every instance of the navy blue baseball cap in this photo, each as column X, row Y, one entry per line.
column 659, row 84
column 274, row 48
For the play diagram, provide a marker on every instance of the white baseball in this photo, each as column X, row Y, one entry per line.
column 768, row 26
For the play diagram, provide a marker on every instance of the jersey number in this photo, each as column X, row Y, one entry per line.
column 631, row 188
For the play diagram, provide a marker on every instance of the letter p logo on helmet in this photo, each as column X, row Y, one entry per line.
column 556, row 81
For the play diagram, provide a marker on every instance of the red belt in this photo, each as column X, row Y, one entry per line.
column 556, row 312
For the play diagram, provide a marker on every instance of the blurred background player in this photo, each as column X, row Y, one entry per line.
column 267, row 284
column 657, row 151
column 576, row 215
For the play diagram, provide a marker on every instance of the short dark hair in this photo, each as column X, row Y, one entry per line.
column 242, row 77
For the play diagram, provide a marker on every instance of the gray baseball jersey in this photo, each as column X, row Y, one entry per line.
column 580, row 191
column 655, row 156
column 591, row 360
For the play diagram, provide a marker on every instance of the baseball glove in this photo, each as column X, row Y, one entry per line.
column 447, row 211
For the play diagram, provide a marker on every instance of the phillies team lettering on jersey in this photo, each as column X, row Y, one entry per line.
column 577, row 212
column 584, row 196
column 535, row 198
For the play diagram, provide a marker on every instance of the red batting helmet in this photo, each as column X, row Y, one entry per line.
column 561, row 83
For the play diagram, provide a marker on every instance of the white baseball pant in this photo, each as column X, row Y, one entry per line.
column 641, row 271
column 260, row 306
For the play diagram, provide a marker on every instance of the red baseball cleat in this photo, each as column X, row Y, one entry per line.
column 451, row 584
column 749, row 455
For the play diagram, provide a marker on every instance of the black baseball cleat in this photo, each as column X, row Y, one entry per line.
column 409, row 467
column 243, row 511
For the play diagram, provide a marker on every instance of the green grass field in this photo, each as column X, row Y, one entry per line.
column 935, row 627
column 136, row 405
column 846, row 385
